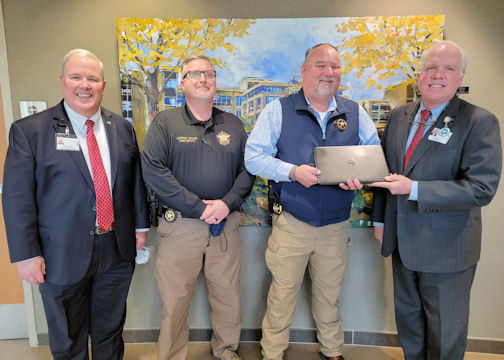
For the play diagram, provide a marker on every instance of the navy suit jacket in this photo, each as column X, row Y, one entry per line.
column 49, row 201
column 441, row 232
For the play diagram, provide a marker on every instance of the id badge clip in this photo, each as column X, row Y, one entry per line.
column 442, row 135
column 66, row 141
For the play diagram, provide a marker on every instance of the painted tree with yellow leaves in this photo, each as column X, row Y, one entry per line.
column 388, row 46
column 155, row 48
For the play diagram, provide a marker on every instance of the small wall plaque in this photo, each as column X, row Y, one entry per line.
column 28, row 108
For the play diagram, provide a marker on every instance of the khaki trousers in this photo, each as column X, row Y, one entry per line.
column 185, row 246
column 292, row 246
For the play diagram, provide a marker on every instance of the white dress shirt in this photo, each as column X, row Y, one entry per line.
column 79, row 125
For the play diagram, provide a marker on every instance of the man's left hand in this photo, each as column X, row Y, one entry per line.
column 397, row 184
column 215, row 211
column 378, row 233
column 354, row 184
column 141, row 238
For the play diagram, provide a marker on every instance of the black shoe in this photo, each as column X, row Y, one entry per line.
column 234, row 357
column 337, row 357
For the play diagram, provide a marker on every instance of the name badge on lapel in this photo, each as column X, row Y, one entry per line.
column 67, row 142
column 442, row 135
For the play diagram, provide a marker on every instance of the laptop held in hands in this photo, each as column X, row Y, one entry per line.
column 339, row 163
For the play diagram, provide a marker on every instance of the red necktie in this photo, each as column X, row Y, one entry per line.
column 424, row 115
column 104, row 208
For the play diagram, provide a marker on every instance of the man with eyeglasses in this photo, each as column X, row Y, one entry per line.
column 192, row 159
column 310, row 221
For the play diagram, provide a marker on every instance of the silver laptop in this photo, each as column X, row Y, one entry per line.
column 339, row 163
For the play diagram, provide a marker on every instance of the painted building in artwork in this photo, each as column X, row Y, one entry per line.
column 246, row 101
column 378, row 109
column 399, row 94
column 256, row 93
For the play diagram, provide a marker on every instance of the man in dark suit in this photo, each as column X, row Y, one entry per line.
column 445, row 156
column 75, row 209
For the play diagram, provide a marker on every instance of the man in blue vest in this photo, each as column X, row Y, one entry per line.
column 310, row 220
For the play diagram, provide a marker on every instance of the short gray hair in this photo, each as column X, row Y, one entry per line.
column 190, row 58
column 310, row 50
column 83, row 53
column 463, row 55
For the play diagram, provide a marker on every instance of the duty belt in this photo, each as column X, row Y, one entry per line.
column 277, row 208
column 170, row 214
column 273, row 204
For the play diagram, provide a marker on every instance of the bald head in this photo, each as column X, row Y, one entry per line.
column 443, row 69
column 447, row 44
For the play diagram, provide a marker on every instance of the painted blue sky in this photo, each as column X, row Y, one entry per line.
column 274, row 49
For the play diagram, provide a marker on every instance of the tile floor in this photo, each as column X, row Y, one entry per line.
column 19, row 350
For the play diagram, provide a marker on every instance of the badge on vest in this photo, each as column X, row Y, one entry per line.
column 341, row 124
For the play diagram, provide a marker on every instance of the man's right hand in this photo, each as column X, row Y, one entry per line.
column 32, row 270
column 350, row 184
column 396, row 184
column 306, row 175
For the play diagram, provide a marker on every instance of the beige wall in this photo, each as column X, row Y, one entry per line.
column 11, row 287
column 39, row 33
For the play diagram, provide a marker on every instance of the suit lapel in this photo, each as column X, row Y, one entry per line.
column 111, row 130
column 60, row 117
column 425, row 144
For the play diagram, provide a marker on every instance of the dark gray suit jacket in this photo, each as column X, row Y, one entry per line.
column 49, row 199
column 441, row 232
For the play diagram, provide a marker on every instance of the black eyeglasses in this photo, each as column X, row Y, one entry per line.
column 195, row 74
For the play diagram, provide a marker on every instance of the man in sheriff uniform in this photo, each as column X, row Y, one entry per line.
column 310, row 227
column 193, row 161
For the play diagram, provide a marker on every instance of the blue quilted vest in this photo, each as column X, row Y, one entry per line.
column 317, row 205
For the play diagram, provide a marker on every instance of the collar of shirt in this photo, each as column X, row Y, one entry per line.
column 435, row 112
column 323, row 116
column 78, row 121
column 79, row 125
column 190, row 119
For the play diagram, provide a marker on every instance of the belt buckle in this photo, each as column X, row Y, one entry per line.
column 99, row 230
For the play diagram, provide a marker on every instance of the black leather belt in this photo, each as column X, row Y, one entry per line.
column 99, row 230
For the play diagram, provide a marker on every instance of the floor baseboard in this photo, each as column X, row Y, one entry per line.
column 490, row 346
